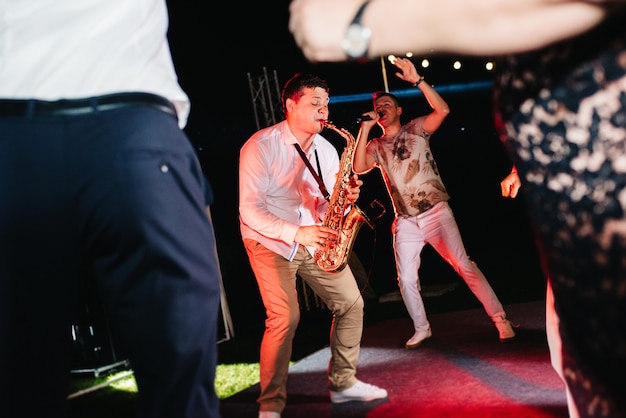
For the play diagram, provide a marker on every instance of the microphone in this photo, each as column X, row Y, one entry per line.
column 367, row 117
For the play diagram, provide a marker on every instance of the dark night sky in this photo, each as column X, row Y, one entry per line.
column 214, row 52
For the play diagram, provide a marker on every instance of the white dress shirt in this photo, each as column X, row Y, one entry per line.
column 55, row 49
column 277, row 192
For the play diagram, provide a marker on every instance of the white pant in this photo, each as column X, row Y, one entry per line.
column 438, row 228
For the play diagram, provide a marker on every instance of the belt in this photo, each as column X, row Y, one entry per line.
column 75, row 107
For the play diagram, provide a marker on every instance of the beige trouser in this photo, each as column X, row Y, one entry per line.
column 276, row 277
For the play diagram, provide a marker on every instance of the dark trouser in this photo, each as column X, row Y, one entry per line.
column 117, row 196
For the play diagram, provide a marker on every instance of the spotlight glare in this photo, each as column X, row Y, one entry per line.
column 457, row 65
column 425, row 63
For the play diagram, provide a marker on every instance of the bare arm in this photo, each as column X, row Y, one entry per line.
column 477, row 27
column 362, row 162
column 408, row 73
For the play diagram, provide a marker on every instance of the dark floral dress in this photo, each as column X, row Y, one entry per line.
column 563, row 114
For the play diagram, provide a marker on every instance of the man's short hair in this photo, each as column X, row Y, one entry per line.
column 294, row 86
column 379, row 94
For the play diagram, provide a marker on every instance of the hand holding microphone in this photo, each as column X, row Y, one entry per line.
column 367, row 117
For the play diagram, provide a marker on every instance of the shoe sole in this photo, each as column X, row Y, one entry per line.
column 507, row 340
column 411, row 346
column 344, row 400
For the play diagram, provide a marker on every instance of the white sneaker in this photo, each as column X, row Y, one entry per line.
column 418, row 338
column 269, row 414
column 360, row 391
column 505, row 330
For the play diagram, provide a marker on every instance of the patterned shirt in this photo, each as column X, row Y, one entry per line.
column 409, row 169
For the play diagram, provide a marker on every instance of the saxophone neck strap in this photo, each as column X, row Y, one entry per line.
column 318, row 177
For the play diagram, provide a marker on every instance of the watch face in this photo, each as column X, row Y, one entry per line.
column 356, row 40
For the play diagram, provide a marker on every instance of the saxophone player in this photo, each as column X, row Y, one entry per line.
column 281, row 206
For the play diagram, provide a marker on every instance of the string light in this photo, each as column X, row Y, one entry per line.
column 457, row 64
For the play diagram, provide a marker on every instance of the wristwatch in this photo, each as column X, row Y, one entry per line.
column 356, row 41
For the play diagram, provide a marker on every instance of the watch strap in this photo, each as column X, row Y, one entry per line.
column 359, row 13
column 356, row 22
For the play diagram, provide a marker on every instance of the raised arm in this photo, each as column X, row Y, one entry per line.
column 409, row 73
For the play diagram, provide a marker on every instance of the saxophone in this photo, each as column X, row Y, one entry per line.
column 333, row 257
